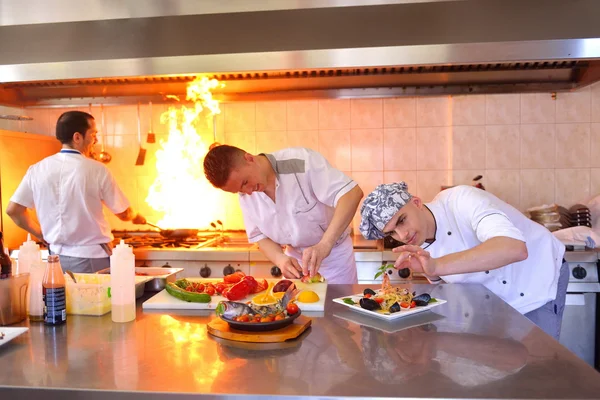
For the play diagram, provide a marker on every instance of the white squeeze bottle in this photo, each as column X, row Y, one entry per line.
column 29, row 254
column 122, row 283
column 30, row 260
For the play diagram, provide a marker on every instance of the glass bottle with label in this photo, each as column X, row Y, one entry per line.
column 53, row 287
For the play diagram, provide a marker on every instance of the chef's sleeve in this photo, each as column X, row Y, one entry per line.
column 329, row 184
column 24, row 193
column 478, row 209
column 111, row 195
column 252, row 230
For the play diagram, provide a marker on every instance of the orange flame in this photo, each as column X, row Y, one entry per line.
column 180, row 190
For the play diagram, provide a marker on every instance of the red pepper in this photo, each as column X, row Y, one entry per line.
column 234, row 278
column 252, row 283
column 261, row 286
column 238, row 291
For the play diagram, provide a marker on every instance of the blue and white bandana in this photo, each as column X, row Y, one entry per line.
column 380, row 206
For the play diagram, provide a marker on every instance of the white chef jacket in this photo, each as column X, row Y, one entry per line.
column 307, row 189
column 68, row 190
column 466, row 217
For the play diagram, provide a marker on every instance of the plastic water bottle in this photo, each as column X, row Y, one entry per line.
column 122, row 283
column 30, row 260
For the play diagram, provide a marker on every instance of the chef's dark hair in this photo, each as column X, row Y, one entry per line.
column 69, row 123
column 219, row 162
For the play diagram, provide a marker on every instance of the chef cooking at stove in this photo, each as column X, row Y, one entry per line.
column 467, row 235
column 292, row 197
column 68, row 191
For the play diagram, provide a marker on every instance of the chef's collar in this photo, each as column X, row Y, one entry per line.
column 70, row 151
column 273, row 162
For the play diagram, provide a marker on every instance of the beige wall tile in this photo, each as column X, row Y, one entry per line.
column 595, row 182
column 120, row 120
column 573, row 107
column 268, row 142
column 366, row 113
column 303, row 115
column 468, row 110
column 433, row 147
column 502, row 147
column 400, row 112
column 537, row 187
column 429, row 183
column 572, row 186
column 8, row 124
column 468, row 147
column 309, row 139
column 595, row 94
column 572, row 145
column 595, row 145
column 239, row 117
column 409, row 177
column 335, row 146
column 399, row 149
column 244, row 140
column 434, row 111
column 504, row 184
column 465, row 177
column 502, row 109
column 334, row 114
column 367, row 149
column 271, row 116
column 537, row 108
column 537, row 146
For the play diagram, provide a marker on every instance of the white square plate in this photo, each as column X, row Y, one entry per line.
column 388, row 316
column 11, row 333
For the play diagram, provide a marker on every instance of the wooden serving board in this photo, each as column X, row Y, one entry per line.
column 164, row 301
column 219, row 328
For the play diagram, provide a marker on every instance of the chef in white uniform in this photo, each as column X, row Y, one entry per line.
column 292, row 197
column 468, row 235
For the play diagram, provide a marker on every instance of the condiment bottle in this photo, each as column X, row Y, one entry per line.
column 122, row 283
column 55, row 301
column 5, row 262
column 30, row 260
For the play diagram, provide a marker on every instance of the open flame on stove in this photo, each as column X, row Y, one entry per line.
column 180, row 190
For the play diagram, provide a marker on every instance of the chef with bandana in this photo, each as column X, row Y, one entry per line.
column 468, row 235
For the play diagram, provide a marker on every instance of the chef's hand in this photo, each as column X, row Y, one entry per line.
column 312, row 258
column 139, row 219
column 289, row 266
column 417, row 259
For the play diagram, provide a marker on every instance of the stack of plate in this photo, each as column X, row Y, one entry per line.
column 580, row 215
column 549, row 215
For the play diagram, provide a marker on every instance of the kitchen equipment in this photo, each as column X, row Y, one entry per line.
column 219, row 328
column 164, row 301
column 261, row 326
column 159, row 277
column 103, row 157
column 13, row 299
column 151, row 138
column 214, row 143
column 175, row 233
column 141, row 157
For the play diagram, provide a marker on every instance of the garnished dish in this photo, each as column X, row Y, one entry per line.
column 233, row 287
column 389, row 302
column 266, row 312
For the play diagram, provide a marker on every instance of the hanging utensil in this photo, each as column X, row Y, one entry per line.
column 103, row 157
column 151, row 138
column 141, row 157
column 215, row 143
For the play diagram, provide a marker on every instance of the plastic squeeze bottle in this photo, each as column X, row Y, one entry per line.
column 122, row 283
column 30, row 260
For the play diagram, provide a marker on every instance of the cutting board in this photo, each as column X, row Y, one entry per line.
column 164, row 301
column 220, row 328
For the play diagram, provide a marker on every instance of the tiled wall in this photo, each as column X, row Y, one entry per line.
column 530, row 148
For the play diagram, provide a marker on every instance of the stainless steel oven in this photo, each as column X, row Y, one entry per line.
column 580, row 318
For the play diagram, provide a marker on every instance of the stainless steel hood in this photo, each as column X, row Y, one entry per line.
column 76, row 51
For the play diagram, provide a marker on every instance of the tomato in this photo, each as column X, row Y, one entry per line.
column 379, row 299
column 292, row 308
column 413, row 304
column 219, row 287
column 368, row 296
column 200, row 288
column 244, row 318
column 234, row 278
column 238, row 291
column 210, row 290
column 257, row 317
column 405, row 304
column 190, row 288
column 268, row 318
column 279, row 317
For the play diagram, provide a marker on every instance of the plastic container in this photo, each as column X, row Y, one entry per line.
column 90, row 295
column 35, row 298
column 122, row 277
column 13, row 299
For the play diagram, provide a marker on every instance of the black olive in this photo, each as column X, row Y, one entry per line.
column 369, row 291
column 395, row 307
column 369, row 304
column 422, row 299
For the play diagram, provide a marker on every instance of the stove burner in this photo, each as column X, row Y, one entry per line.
column 139, row 239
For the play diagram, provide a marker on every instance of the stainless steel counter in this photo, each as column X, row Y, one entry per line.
column 475, row 346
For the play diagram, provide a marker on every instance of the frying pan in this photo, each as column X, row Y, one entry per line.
column 175, row 233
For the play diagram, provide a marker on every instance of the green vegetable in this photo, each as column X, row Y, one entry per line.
column 176, row 291
column 348, row 300
column 381, row 270
column 433, row 300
